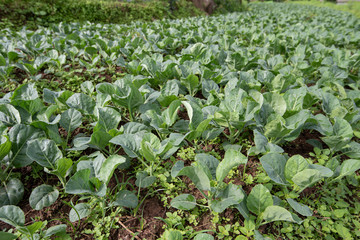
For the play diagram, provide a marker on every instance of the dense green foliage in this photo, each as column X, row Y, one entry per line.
column 45, row 12
column 352, row 6
column 152, row 98
column 226, row 6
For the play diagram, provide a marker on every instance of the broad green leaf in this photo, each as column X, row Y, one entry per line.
column 129, row 142
column 353, row 151
column 294, row 165
column 44, row 152
column 276, row 128
column 276, row 213
column 87, row 87
column 208, row 163
column 231, row 159
column 2, row 61
column 184, row 202
column 63, row 166
column 169, row 93
column 195, row 114
column 135, row 127
column 43, row 196
column 91, row 50
column 348, row 167
column 56, row 97
column 203, row 236
column 7, row 236
column 236, row 61
column 212, row 133
column 306, row 178
column 229, row 196
column 323, row 125
column 260, row 141
column 12, row 192
column 149, row 144
column 274, row 165
column 12, row 215
column 27, row 98
column 343, row 231
column 106, row 88
column 277, row 102
column 126, row 198
column 242, row 208
column 127, row 95
column 100, row 139
column 25, row 92
column 5, row 146
column 170, row 114
column 70, row 120
column 232, row 102
column 295, row 98
column 176, row 168
column 191, row 82
column 209, row 86
column 343, row 128
column 335, row 143
column 109, row 119
column 173, row 235
column 258, row 236
column 20, row 135
column 259, row 199
column 143, row 180
column 81, row 102
column 34, row 227
column 108, row 167
column 200, row 129
column 81, row 183
column 82, row 211
column 300, row 208
column 197, row 175
column 55, row 230
column 9, row 115
column 324, row 171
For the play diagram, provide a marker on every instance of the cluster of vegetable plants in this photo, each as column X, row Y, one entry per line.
column 243, row 114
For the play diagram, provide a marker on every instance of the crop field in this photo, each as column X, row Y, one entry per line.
column 237, row 126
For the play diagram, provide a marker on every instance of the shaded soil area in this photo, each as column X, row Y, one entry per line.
column 52, row 214
column 145, row 225
column 301, row 146
column 64, row 80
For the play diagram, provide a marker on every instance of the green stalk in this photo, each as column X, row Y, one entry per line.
column 206, row 196
column 77, row 213
column 64, row 219
column 243, row 178
column 143, row 162
column 131, row 114
column 62, row 180
column 112, row 220
column 102, row 203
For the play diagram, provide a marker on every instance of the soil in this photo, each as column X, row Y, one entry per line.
column 183, row 114
column 300, row 146
column 51, row 214
column 145, row 224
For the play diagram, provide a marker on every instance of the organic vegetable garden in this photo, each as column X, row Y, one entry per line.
column 237, row 126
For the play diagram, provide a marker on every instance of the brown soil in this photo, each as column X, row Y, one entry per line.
column 300, row 146
column 52, row 214
column 145, row 225
column 252, row 169
column 183, row 114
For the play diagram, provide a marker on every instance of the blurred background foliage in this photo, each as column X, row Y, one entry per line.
column 33, row 13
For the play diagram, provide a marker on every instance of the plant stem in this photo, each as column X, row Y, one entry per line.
column 206, row 196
